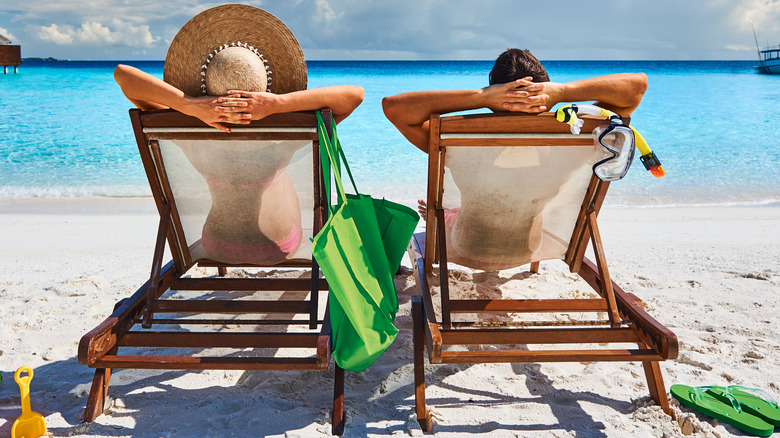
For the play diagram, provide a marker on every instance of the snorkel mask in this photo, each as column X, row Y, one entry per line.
column 617, row 140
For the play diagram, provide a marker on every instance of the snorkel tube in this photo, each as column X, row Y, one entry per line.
column 568, row 114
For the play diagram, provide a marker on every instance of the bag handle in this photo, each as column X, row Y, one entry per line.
column 333, row 147
column 325, row 159
column 340, row 150
column 325, row 143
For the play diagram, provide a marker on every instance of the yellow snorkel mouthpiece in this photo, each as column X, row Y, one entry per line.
column 648, row 158
column 568, row 114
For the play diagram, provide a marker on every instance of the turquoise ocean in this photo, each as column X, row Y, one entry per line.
column 65, row 131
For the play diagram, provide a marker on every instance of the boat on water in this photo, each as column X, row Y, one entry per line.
column 769, row 60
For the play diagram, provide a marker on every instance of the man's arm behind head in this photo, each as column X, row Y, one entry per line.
column 620, row 93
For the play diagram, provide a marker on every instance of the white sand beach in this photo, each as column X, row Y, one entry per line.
column 711, row 274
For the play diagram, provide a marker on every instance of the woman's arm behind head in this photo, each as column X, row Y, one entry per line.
column 142, row 89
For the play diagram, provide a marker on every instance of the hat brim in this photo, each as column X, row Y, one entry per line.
column 227, row 24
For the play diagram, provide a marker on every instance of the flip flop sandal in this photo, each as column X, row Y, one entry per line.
column 700, row 400
column 751, row 400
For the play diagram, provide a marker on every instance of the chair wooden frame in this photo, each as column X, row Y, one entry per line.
column 101, row 348
column 626, row 320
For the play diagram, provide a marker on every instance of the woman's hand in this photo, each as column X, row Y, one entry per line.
column 257, row 104
column 216, row 111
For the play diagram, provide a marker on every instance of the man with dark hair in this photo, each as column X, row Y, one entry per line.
column 518, row 82
column 516, row 64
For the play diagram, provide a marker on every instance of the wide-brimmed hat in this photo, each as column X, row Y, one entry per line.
column 269, row 53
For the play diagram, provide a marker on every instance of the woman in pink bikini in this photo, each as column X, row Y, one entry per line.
column 229, row 65
column 255, row 214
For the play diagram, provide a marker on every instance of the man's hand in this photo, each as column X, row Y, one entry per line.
column 521, row 95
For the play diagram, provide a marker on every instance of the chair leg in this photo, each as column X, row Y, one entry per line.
column 655, row 382
column 221, row 271
column 99, row 391
column 97, row 395
column 423, row 414
column 337, row 427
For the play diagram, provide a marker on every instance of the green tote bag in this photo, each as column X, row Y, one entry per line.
column 359, row 249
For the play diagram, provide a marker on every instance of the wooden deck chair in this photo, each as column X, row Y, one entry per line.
column 505, row 190
column 251, row 198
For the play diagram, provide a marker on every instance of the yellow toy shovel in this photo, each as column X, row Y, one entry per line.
column 30, row 424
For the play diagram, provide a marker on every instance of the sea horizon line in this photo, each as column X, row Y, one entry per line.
column 51, row 59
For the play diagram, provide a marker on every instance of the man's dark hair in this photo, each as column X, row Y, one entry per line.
column 516, row 64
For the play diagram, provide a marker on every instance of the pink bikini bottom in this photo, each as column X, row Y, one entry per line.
column 449, row 217
column 258, row 253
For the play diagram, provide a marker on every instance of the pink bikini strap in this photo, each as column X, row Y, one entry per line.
column 256, row 185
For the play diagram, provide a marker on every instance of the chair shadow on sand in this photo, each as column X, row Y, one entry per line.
column 564, row 404
column 309, row 393
column 246, row 405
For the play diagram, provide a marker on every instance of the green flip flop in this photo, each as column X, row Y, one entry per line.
column 751, row 400
column 701, row 400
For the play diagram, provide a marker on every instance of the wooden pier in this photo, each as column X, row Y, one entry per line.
column 10, row 54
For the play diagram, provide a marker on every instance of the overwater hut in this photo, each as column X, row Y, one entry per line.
column 10, row 54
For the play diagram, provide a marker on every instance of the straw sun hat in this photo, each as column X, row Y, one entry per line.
column 235, row 47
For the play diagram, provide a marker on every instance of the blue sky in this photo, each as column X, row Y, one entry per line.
column 413, row 29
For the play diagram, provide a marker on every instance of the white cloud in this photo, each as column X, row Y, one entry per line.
column 93, row 33
column 419, row 29
column 326, row 12
column 762, row 13
column 4, row 32
column 53, row 34
column 740, row 48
